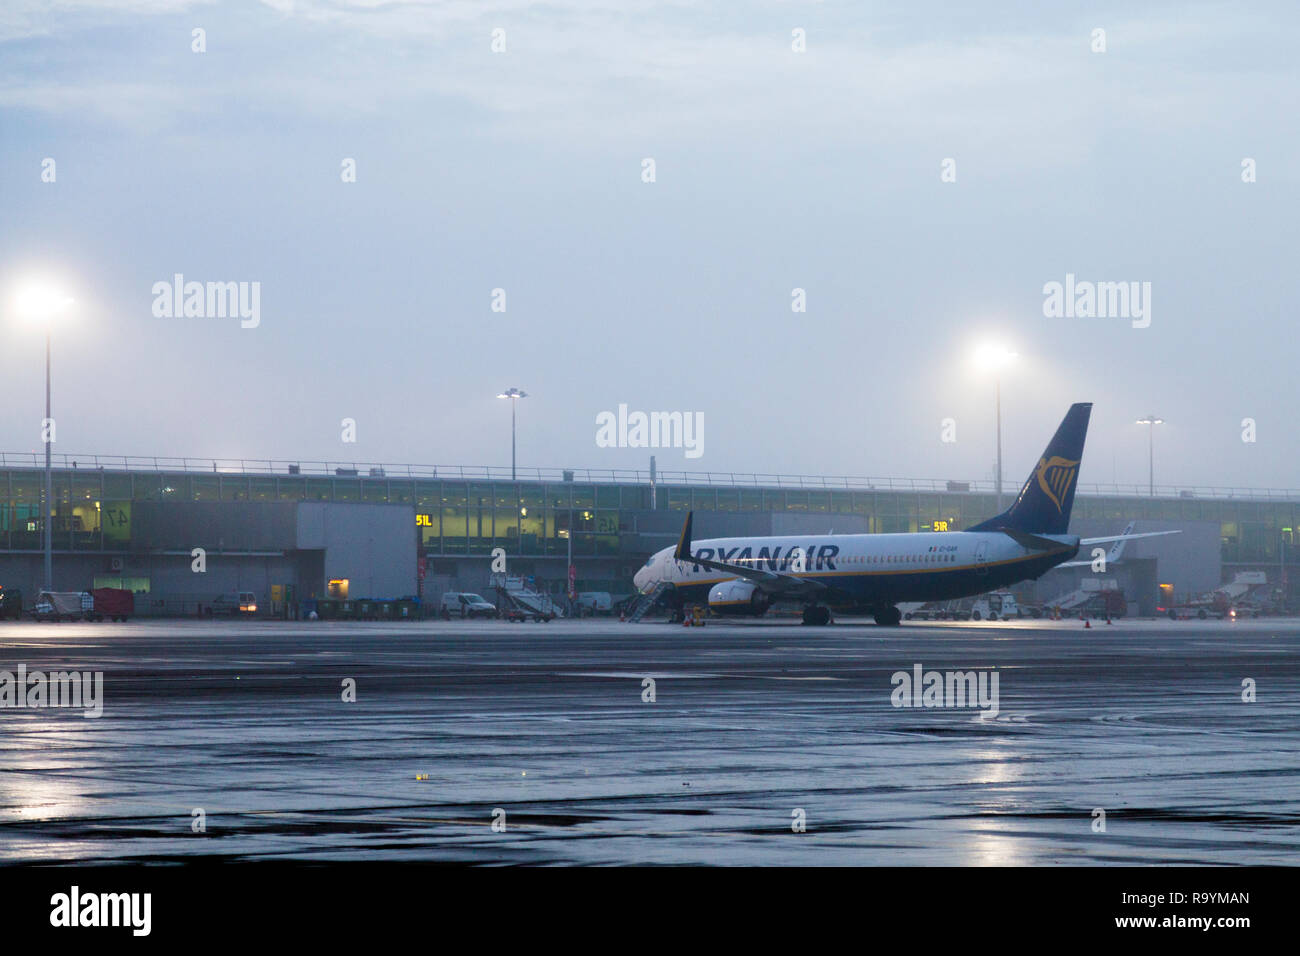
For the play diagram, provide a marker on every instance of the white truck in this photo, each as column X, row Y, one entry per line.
column 64, row 606
column 998, row 605
column 595, row 602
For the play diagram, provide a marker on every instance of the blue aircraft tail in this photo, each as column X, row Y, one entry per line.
column 1043, row 505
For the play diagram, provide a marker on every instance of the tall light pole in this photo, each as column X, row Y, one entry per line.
column 47, row 514
column 569, row 575
column 1281, row 560
column 995, row 358
column 44, row 304
column 514, row 395
column 1151, row 422
column 997, row 406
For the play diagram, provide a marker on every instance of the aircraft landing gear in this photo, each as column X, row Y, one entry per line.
column 816, row 615
column 888, row 616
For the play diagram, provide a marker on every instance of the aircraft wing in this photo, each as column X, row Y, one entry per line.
column 1124, row 537
column 1033, row 542
column 776, row 582
column 1075, row 564
column 1117, row 549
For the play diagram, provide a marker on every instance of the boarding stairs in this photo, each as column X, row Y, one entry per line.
column 1077, row 598
column 513, row 594
column 647, row 601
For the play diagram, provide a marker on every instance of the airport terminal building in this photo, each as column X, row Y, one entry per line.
column 286, row 531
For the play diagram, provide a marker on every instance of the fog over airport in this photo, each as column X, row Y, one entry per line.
column 774, row 170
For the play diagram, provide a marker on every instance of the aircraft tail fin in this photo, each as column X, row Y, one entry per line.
column 683, row 552
column 1044, row 503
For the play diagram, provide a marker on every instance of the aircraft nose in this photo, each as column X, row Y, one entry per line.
column 648, row 575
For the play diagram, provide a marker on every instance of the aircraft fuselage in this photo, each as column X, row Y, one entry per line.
column 865, row 569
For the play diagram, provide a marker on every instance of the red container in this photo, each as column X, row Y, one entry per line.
column 113, row 603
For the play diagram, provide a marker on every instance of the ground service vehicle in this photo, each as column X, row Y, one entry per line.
column 519, row 614
column 245, row 602
column 465, row 604
column 1000, row 605
column 116, row 604
column 58, row 606
column 1108, row 604
column 11, row 603
column 1222, row 602
column 595, row 602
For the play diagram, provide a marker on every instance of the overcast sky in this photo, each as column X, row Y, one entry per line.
column 774, row 170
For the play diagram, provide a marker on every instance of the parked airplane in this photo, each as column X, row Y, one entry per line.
column 874, row 572
column 1113, row 556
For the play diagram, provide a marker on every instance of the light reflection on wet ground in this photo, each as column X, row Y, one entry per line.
column 1142, row 719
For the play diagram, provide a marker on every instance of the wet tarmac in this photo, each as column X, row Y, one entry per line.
column 543, row 729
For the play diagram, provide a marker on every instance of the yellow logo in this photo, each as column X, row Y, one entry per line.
column 1055, row 475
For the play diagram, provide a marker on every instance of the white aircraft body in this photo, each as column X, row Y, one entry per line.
column 875, row 572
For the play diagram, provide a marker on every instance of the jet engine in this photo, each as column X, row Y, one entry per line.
column 739, row 599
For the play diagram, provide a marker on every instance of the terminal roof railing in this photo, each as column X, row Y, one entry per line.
column 720, row 479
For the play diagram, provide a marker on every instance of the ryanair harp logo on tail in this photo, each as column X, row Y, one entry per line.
column 1055, row 475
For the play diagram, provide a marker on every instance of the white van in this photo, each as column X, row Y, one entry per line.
column 465, row 604
column 595, row 602
column 1000, row 605
column 234, row 603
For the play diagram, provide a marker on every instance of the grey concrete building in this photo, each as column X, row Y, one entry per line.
column 286, row 531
